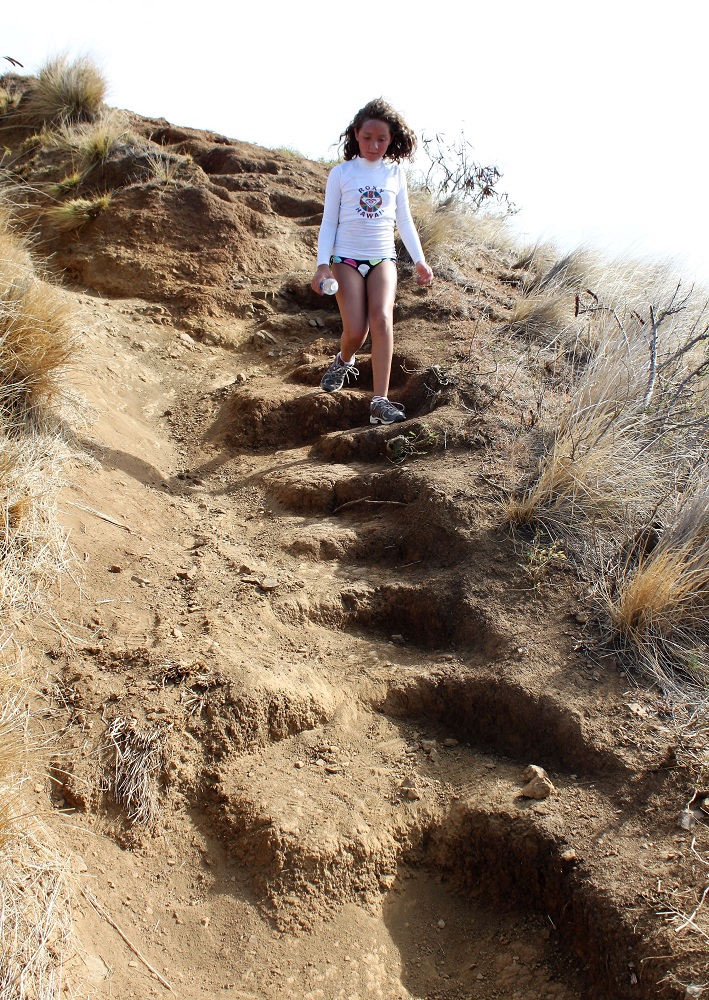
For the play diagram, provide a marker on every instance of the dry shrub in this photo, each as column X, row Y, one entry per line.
column 63, row 91
column 77, row 212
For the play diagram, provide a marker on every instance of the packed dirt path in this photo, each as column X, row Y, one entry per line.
column 300, row 672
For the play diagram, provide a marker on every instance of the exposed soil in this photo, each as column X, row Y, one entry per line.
column 344, row 661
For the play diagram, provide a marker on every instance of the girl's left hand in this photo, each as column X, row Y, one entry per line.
column 424, row 274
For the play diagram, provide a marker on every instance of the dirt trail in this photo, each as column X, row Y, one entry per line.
column 342, row 669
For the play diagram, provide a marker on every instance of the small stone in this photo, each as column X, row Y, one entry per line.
column 176, row 632
column 398, row 639
column 534, row 771
column 441, row 924
column 204, row 921
column 686, row 820
column 568, row 855
column 333, row 769
column 312, row 322
column 38, row 788
column 115, row 568
column 298, row 764
column 428, row 745
column 450, row 742
column 268, row 583
column 413, row 794
column 133, row 965
column 538, row 788
column 186, row 574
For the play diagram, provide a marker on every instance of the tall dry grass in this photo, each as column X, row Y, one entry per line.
column 632, row 437
column 37, row 336
column 36, row 344
column 35, row 891
column 655, row 603
column 63, row 91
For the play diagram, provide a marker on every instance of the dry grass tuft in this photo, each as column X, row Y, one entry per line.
column 451, row 229
column 74, row 214
column 132, row 772
column 655, row 604
column 541, row 314
column 37, row 338
column 90, row 142
column 69, row 183
column 35, row 892
column 590, row 474
column 63, row 91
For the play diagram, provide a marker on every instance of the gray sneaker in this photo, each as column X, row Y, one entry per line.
column 337, row 374
column 382, row 411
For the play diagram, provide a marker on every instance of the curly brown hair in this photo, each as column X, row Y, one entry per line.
column 403, row 140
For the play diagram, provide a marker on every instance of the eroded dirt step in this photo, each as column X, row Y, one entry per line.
column 341, row 812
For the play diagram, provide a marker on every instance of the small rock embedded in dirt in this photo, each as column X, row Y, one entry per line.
column 115, row 568
column 450, row 742
column 441, row 924
column 186, row 574
column 569, row 855
column 538, row 786
column 409, row 790
column 398, row 639
column 269, row 583
column 686, row 820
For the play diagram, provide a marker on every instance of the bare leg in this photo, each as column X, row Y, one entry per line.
column 352, row 302
column 381, row 290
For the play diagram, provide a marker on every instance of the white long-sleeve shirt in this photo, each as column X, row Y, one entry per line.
column 363, row 202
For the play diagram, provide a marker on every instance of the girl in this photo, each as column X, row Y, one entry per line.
column 364, row 197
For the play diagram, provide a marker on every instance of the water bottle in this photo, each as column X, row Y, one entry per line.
column 329, row 286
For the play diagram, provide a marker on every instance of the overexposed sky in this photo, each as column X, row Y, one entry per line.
column 595, row 113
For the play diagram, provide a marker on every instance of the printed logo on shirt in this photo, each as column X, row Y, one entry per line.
column 370, row 203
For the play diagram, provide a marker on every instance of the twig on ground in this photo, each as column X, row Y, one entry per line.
column 87, row 894
column 98, row 513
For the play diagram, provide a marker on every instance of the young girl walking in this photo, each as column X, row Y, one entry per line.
column 364, row 197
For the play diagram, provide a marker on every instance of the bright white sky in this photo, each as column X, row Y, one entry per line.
column 595, row 113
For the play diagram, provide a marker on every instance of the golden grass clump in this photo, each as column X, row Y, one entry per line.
column 37, row 338
column 541, row 313
column 593, row 469
column 63, row 91
column 76, row 213
column 90, row 142
column 658, row 604
column 450, row 228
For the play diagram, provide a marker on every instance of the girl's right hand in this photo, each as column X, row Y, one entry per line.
column 322, row 273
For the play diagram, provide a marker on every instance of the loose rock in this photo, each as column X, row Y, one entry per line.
column 539, row 785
